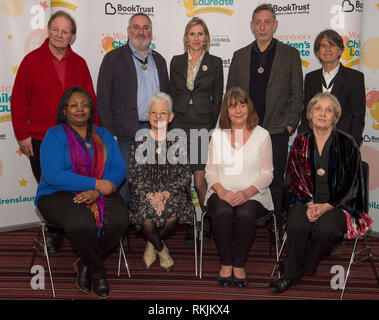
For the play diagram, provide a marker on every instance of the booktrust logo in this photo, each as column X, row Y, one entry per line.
column 112, row 9
column 195, row 7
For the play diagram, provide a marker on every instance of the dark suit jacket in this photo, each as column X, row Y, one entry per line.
column 349, row 88
column 208, row 87
column 117, row 91
column 284, row 96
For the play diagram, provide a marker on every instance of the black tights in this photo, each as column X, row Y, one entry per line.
column 156, row 235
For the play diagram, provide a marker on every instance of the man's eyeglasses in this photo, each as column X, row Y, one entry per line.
column 136, row 27
column 77, row 106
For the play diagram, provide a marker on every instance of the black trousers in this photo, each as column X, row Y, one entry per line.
column 35, row 160
column 80, row 226
column 233, row 226
column 279, row 158
column 308, row 241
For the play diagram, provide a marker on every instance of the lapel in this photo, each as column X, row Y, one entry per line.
column 205, row 67
column 182, row 65
column 127, row 63
column 316, row 86
column 279, row 58
column 340, row 81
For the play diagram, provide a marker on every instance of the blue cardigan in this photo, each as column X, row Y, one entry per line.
column 56, row 169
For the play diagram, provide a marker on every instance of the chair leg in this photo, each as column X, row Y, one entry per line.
column 349, row 267
column 201, row 242
column 195, row 236
column 278, row 254
column 47, row 259
column 122, row 252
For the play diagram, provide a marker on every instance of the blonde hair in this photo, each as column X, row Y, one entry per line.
column 194, row 22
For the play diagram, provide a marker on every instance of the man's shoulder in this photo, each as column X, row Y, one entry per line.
column 351, row 72
column 244, row 49
column 156, row 55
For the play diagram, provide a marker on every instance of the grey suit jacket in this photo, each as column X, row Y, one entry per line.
column 117, row 91
column 284, row 96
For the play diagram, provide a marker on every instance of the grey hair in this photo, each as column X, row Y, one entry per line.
column 335, row 104
column 140, row 14
column 161, row 97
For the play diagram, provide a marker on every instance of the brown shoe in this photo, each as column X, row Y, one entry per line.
column 149, row 255
column 165, row 259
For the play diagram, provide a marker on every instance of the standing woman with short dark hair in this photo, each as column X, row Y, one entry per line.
column 81, row 168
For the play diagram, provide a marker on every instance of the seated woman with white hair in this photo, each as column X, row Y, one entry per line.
column 159, row 179
column 324, row 192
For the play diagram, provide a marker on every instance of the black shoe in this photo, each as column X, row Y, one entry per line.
column 240, row 283
column 281, row 285
column 54, row 240
column 225, row 282
column 101, row 287
column 83, row 282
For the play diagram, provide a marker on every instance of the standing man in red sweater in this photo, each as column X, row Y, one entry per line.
column 43, row 76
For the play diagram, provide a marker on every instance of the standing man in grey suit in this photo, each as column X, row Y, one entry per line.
column 271, row 72
column 129, row 76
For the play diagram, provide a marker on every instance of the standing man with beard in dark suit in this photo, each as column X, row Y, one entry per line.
column 129, row 76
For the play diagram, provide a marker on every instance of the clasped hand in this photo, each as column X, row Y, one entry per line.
column 316, row 210
column 158, row 201
column 233, row 198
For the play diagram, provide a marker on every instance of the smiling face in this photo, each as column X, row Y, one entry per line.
column 322, row 114
column 263, row 26
column 78, row 110
column 140, row 33
column 159, row 116
column 329, row 53
column 238, row 113
column 196, row 38
column 60, row 33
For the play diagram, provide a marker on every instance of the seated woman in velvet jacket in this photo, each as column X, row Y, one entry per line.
column 324, row 192
column 81, row 168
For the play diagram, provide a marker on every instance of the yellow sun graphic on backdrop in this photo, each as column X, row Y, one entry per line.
column 12, row 8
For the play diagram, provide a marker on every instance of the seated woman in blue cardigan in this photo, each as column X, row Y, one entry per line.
column 81, row 168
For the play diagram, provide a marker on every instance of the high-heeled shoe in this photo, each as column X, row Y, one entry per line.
column 225, row 282
column 149, row 255
column 165, row 260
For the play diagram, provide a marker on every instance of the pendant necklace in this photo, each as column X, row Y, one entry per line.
column 327, row 87
column 320, row 170
column 143, row 62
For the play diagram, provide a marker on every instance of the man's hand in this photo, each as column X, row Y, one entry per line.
column 26, row 147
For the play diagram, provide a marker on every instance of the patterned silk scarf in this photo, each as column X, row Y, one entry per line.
column 82, row 164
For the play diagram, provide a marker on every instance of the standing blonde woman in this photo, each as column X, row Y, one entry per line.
column 196, row 79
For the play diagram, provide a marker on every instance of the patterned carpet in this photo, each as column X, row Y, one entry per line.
column 181, row 283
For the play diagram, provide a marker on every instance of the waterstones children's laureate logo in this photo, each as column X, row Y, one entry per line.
column 290, row 9
column 130, row 9
column 351, row 54
column 112, row 41
column 195, row 7
column 5, row 103
column 301, row 42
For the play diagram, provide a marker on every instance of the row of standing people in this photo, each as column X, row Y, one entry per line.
column 267, row 69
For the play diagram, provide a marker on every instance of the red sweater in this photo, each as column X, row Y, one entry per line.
column 37, row 91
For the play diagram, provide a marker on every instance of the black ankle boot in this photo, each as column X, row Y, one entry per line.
column 83, row 282
column 101, row 287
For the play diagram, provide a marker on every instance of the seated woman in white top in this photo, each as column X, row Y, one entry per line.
column 238, row 175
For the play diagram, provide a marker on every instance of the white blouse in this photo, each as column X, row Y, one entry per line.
column 239, row 168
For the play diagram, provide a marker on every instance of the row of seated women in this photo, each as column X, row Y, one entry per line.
column 82, row 168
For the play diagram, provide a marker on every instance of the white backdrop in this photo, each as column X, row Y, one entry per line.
column 102, row 27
